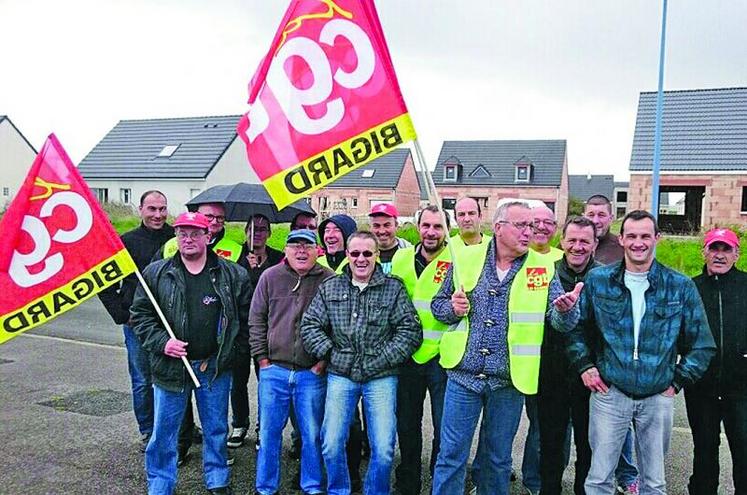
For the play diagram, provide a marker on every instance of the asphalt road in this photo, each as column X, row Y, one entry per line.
column 66, row 424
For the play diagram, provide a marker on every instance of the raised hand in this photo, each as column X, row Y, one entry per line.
column 566, row 302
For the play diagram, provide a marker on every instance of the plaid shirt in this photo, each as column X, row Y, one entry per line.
column 364, row 334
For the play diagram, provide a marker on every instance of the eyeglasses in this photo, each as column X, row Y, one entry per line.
column 193, row 235
column 217, row 218
column 300, row 246
column 549, row 223
column 520, row 226
column 356, row 254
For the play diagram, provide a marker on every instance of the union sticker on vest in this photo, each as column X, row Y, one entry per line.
column 537, row 278
column 441, row 268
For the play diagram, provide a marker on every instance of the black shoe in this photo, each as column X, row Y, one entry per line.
column 236, row 439
column 229, row 457
column 226, row 490
column 356, row 486
column 183, row 457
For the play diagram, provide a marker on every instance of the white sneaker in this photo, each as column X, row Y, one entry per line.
column 236, row 439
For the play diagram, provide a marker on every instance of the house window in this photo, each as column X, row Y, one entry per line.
column 550, row 205
column 322, row 203
column 354, row 202
column 622, row 196
column 743, row 209
column 6, row 191
column 367, row 174
column 168, row 150
column 522, row 173
column 125, row 195
column 450, row 173
column 448, row 203
column 620, row 211
column 101, row 193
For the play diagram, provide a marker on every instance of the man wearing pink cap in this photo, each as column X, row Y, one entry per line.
column 384, row 226
column 205, row 300
column 721, row 395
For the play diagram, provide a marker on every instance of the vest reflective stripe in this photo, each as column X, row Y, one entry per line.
column 526, row 306
column 526, row 350
column 527, row 317
column 421, row 291
column 225, row 248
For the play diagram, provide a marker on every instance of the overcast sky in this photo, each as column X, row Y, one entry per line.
column 529, row 69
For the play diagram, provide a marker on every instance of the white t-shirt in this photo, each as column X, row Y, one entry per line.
column 637, row 284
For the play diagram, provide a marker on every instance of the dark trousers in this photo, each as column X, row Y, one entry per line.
column 242, row 368
column 414, row 381
column 705, row 412
column 562, row 397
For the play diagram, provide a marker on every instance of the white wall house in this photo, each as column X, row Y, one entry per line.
column 180, row 157
column 16, row 157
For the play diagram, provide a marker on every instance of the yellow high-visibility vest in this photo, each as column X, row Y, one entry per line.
column 527, row 305
column 225, row 248
column 421, row 290
column 322, row 260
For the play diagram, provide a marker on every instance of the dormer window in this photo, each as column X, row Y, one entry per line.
column 523, row 170
column 450, row 173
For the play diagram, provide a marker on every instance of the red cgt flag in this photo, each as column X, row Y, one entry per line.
column 59, row 247
column 325, row 99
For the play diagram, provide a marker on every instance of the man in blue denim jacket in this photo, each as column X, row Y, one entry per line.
column 637, row 317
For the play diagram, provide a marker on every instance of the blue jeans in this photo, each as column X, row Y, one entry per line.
column 278, row 389
column 142, row 384
column 212, row 405
column 610, row 415
column 379, row 406
column 501, row 410
column 626, row 472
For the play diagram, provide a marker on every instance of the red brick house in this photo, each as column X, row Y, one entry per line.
column 388, row 179
column 491, row 170
column 703, row 158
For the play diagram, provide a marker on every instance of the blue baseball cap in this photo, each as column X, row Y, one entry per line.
column 302, row 235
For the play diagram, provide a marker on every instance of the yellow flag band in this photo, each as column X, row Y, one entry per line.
column 66, row 297
column 312, row 174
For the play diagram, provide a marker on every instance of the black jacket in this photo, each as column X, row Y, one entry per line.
column 725, row 295
column 166, row 280
column 142, row 243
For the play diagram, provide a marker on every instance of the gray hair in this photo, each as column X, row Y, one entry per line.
column 500, row 212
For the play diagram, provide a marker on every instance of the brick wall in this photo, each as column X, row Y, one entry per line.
column 407, row 193
column 721, row 204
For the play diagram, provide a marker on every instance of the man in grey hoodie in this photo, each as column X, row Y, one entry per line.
column 287, row 373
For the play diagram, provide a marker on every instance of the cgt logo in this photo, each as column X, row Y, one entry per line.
column 441, row 268
column 20, row 269
column 537, row 278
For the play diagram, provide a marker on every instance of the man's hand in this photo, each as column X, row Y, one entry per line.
column 593, row 381
column 459, row 302
column 319, row 368
column 251, row 258
column 263, row 363
column 670, row 392
column 566, row 302
column 175, row 348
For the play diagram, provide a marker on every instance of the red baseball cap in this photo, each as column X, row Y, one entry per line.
column 726, row 236
column 387, row 209
column 192, row 219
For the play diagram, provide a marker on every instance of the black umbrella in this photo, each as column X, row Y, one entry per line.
column 241, row 201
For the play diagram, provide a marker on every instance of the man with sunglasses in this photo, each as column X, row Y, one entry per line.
column 363, row 323
column 206, row 301
column 289, row 376
column 497, row 303
column 422, row 268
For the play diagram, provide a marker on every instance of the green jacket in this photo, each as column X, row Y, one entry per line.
column 166, row 280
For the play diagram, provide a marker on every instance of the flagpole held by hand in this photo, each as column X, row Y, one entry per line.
column 166, row 325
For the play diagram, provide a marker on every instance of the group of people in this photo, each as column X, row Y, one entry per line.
column 349, row 330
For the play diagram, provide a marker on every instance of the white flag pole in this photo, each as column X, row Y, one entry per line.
column 434, row 199
column 166, row 325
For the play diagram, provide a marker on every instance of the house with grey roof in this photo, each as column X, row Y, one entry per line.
column 179, row 156
column 16, row 156
column 491, row 170
column 582, row 187
column 388, row 179
column 703, row 157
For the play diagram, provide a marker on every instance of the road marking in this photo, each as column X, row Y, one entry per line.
column 72, row 341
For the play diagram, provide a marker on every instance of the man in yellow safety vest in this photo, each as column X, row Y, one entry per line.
column 493, row 354
column 422, row 268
